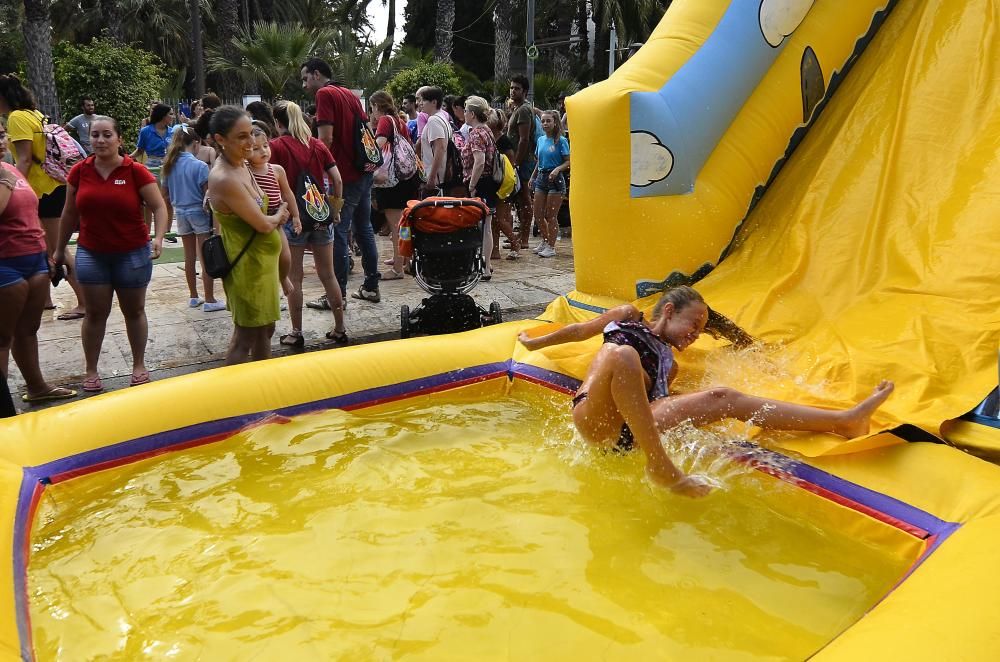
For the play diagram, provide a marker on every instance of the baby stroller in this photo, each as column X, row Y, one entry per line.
column 444, row 238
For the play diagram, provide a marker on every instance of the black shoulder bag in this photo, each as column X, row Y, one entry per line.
column 217, row 263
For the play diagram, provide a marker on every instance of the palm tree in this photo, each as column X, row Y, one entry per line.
column 390, row 31
column 228, row 55
column 443, row 30
column 38, row 49
column 503, row 18
column 633, row 20
column 356, row 64
column 198, row 56
column 268, row 55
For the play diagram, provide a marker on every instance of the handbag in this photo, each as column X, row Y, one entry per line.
column 217, row 263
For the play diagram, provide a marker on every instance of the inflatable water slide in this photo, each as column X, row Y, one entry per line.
column 826, row 174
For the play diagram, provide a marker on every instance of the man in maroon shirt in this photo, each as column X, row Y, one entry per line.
column 336, row 110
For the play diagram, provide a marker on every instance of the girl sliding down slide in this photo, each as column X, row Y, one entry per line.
column 625, row 396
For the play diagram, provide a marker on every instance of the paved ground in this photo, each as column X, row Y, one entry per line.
column 183, row 340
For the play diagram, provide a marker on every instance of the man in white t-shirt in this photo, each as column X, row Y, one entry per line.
column 434, row 138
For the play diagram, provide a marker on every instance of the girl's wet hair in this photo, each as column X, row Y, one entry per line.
column 224, row 119
column 717, row 326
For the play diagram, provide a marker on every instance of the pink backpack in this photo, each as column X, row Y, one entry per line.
column 61, row 151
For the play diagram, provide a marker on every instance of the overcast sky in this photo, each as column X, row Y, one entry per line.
column 379, row 14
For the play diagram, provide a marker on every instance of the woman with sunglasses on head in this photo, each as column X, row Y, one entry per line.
column 105, row 196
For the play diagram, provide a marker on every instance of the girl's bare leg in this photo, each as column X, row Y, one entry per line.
column 723, row 402
column 552, row 204
column 190, row 242
column 207, row 282
column 538, row 212
column 284, row 264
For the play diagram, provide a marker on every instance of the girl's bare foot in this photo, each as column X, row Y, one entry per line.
column 857, row 419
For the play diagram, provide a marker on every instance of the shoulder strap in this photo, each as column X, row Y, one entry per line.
column 253, row 236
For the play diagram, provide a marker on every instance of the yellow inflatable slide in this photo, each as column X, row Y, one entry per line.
column 826, row 173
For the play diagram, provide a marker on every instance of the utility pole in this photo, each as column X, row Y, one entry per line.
column 531, row 50
column 613, row 49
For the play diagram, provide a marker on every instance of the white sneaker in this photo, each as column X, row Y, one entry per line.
column 214, row 306
column 547, row 252
column 194, row 302
column 537, row 250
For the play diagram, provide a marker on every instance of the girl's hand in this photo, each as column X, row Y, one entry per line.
column 553, row 176
column 694, row 487
column 296, row 225
column 58, row 259
column 157, row 248
column 528, row 342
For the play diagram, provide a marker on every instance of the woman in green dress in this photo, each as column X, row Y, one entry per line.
column 239, row 204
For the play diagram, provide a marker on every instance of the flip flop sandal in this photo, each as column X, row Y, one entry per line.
column 338, row 338
column 54, row 393
column 69, row 316
column 141, row 378
column 392, row 275
column 93, row 385
column 293, row 340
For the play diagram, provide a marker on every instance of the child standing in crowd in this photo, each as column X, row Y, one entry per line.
column 274, row 183
column 185, row 180
column 552, row 154
column 154, row 138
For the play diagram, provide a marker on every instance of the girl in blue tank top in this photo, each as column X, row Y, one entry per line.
column 625, row 398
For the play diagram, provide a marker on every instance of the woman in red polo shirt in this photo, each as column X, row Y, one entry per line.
column 104, row 199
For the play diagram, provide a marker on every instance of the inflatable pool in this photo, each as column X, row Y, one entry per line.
column 427, row 498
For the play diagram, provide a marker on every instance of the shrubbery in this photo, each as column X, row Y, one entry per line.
column 408, row 81
column 122, row 80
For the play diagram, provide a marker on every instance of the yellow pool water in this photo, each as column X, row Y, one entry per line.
column 441, row 529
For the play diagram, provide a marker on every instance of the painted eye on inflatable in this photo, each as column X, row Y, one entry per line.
column 779, row 18
column 652, row 161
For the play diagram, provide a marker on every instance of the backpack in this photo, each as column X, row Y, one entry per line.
column 313, row 207
column 367, row 155
column 61, row 151
column 505, row 176
column 399, row 161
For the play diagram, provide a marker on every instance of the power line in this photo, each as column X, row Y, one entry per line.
column 489, row 8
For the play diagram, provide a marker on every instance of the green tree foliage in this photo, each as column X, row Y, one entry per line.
column 548, row 88
column 269, row 55
column 121, row 79
column 424, row 73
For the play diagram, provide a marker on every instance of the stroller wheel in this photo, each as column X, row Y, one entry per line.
column 496, row 315
column 404, row 321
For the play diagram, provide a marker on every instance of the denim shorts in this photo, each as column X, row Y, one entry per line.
column 544, row 185
column 193, row 220
column 320, row 236
column 120, row 270
column 15, row 269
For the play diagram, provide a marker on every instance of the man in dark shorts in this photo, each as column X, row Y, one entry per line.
column 520, row 131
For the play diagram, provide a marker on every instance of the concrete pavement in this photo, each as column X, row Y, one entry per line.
column 182, row 339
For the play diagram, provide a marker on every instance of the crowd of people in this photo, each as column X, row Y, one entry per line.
column 274, row 183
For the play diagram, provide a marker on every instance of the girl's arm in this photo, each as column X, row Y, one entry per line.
column 7, row 185
column 288, row 196
column 581, row 330
column 229, row 192
column 68, row 222
column 560, row 168
column 22, row 149
column 150, row 194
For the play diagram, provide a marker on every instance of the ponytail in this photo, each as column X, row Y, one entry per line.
column 290, row 114
column 184, row 137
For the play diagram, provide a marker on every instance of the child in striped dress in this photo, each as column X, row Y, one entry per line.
column 274, row 183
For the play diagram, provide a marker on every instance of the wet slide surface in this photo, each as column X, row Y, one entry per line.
column 875, row 252
column 445, row 529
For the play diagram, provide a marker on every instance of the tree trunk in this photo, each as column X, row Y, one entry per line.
column 38, row 49
column 503, row 18
column 265, row 10
column 198, row 56
column 443, row 36
column 583, row 31
column 390, row 33
column 228, row 17
column 602, row 43
column 111, row 11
